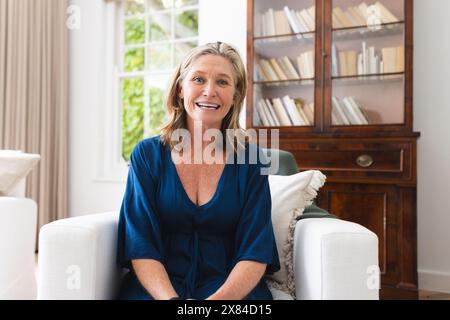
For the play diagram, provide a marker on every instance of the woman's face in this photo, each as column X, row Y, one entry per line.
column 207, row 91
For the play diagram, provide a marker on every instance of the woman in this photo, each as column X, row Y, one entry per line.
column 191, row 229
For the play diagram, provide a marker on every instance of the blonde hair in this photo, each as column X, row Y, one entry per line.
column 177, row 115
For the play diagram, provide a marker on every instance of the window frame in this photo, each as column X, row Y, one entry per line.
column 112, row 167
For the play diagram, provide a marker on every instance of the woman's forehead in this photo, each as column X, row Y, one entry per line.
column 212, row 64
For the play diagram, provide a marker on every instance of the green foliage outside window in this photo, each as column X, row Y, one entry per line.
column 134, row 31
column 189, row 19
column 132, row 115
column 134, row 90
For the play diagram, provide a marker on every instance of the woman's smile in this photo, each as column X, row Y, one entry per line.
column 207, row 105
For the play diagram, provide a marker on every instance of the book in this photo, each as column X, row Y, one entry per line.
column 284, row 68
column 336, row 105
column 312, row 13
column 306, row 64
column 386, row 15
column 292, row 21
column 303, row 115
column 350, row 112
column 361, row 109
column 351, row 60
column 334, row 61
column 291, row 69
column 389, row 56
column 292, row 111
column 342, row 64
column 400, row 59
column 262, row 71
column 269, row 107
column 269, row 70
column 335, row 117
column 262, row 115
column 364, row 10
column 358, row 110
column 308, row 112
column 357, row 15
column 365, row 58
column 279, row 72
column 308, row 19
column 342, row 17
column 302, row 21
column 270, row 22
column 281, row 113
column 337, row 24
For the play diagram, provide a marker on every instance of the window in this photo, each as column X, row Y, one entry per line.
column 154, row 36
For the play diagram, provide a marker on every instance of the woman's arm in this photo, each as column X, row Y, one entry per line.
column 154, row 278
column 243, row 278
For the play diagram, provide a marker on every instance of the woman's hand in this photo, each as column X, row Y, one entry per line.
column 154, row 278
column 243, row 278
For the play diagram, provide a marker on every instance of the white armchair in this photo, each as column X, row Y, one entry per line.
column 331, row 259
column 18, row 217
column 18, row 222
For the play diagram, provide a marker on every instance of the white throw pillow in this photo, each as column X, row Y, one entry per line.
column 290, row 195
column 14, row 166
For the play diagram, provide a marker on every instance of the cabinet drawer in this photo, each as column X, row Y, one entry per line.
column 374, row 160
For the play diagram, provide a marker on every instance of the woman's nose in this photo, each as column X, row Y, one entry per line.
column 209, row 90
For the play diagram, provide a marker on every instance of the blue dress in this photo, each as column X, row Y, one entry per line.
column 198, row 245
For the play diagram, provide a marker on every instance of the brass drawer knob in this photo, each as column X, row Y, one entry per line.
column 364, row 160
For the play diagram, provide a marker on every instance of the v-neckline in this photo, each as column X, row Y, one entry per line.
column 183, row 190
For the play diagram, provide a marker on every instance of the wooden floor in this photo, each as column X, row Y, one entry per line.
column 430, row 295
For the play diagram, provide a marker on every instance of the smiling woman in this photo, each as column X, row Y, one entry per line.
column 197, row 230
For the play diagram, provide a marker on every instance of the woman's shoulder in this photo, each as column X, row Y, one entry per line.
column 154, row 144
column 149, row 152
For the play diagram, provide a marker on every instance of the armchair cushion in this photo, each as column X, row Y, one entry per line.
column 14, row 167
column 290, row 195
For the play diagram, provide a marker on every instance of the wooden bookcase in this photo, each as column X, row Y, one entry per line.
column 369, row 154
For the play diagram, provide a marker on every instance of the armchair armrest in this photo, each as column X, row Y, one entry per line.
column 77, row 258
column 18, row 217
column 333, row 259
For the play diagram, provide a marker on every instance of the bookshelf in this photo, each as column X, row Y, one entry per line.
column 335, row 77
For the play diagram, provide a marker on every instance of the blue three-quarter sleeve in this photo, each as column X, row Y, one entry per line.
column 255, row 239
column 139, row 235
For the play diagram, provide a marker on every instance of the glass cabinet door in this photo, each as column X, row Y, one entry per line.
column 283, row 63
column 367, row 63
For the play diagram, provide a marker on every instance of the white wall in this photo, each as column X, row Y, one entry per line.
column 225, row 21
column 219, row 21
column 432, row 119
column 86, row 194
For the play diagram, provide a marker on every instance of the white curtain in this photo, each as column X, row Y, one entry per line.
column 34, row 95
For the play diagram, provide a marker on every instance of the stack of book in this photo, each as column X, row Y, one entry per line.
column 286, row 21
column 279, row 69
column 285, row 111
column 347, row 111
column 362, row 15
column 276, row 69
column 367, row 61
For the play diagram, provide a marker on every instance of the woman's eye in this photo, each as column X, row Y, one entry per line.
column 223, row 82
column 198, row 80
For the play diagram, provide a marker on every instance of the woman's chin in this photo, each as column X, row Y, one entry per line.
column 208, row 121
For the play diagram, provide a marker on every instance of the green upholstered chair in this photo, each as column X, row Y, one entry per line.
column 287, row 166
